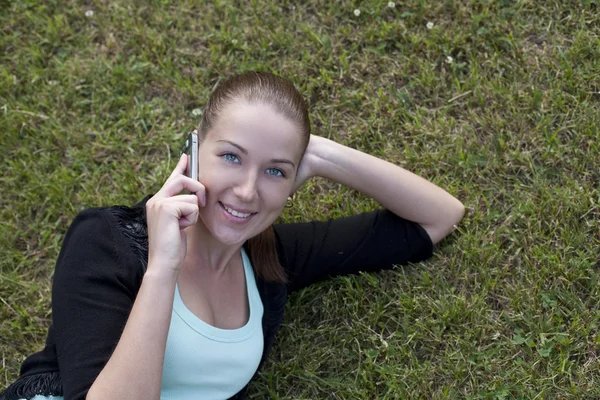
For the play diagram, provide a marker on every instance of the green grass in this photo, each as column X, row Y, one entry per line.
column 93, row 109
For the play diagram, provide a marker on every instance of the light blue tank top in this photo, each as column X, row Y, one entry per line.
column 204, row 362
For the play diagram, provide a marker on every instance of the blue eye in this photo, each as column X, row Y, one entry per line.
column 231, row 157
column 275, row 172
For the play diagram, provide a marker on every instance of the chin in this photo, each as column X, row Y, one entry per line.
column 231, row 240
column 230, row 235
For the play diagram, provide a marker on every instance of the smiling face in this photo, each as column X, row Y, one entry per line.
column 248, row 163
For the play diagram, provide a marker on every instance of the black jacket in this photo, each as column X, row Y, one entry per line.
column 104, row 257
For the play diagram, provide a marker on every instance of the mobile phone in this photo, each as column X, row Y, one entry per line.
column 190, row 148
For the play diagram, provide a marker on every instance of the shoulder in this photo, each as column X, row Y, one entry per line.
column 129, row 224
column 129, row 221
column 119, row 230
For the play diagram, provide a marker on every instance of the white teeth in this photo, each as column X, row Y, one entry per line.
column 235, row 213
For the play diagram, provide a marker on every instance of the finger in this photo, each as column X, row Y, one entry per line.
column 188, row 214
column 175, row 206
column 201, row 196
column 175, row 185
column 180, row 167
column 185, row 198
column 188, row 221
column 172, row 207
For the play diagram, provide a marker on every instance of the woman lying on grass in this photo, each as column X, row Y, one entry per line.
column 181, row 295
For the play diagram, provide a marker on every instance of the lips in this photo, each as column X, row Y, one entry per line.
column 236, row 212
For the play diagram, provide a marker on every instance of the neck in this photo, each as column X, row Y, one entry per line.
column 205, row 251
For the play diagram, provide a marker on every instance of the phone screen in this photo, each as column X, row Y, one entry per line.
column 190, row 148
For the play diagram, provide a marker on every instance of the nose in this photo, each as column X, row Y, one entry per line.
column 246, row 190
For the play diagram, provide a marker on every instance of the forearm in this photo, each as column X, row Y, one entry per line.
column 402, row 192
column 134, row 371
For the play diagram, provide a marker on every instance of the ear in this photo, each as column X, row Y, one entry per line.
column 290, row 202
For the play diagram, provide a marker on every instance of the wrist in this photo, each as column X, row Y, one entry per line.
column 163, row 278
column 317, row 154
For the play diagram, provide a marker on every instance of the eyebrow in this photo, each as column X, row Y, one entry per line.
column 273, row 160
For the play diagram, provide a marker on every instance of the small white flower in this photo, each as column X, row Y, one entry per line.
column 52, row 83
column 89, row 13
column 449, row 60
column 234, row 41
column 196, row 112
column 429, row 25
column 357, row 12
column 391, row 4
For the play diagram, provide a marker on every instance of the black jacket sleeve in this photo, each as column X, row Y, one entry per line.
column 92, row 294
column 314, row 251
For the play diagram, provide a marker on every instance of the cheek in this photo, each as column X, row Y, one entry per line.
column 207, row 162
column 273, row 211
column 274, row 194
column 212, row 176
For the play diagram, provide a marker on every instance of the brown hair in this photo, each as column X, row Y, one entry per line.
column 279, row 93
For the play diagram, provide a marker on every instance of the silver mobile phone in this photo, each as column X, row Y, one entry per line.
column 191, row 149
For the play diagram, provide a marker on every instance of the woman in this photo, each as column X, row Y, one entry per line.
column 181, row 295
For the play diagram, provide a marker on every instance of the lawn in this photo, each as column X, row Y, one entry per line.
column 497, row 102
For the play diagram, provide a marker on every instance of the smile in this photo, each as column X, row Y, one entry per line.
column 236, row 213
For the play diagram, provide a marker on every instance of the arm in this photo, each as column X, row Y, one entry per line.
column 95, row 286
column 134, row 371
column 135, row 368
column 94, row 289
column 365, row 242
column 110, row 321
column 400, row 191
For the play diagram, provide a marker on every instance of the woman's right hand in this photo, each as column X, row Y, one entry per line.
column 167, row 214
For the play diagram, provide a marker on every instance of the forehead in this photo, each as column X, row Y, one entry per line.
column 258, row 127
